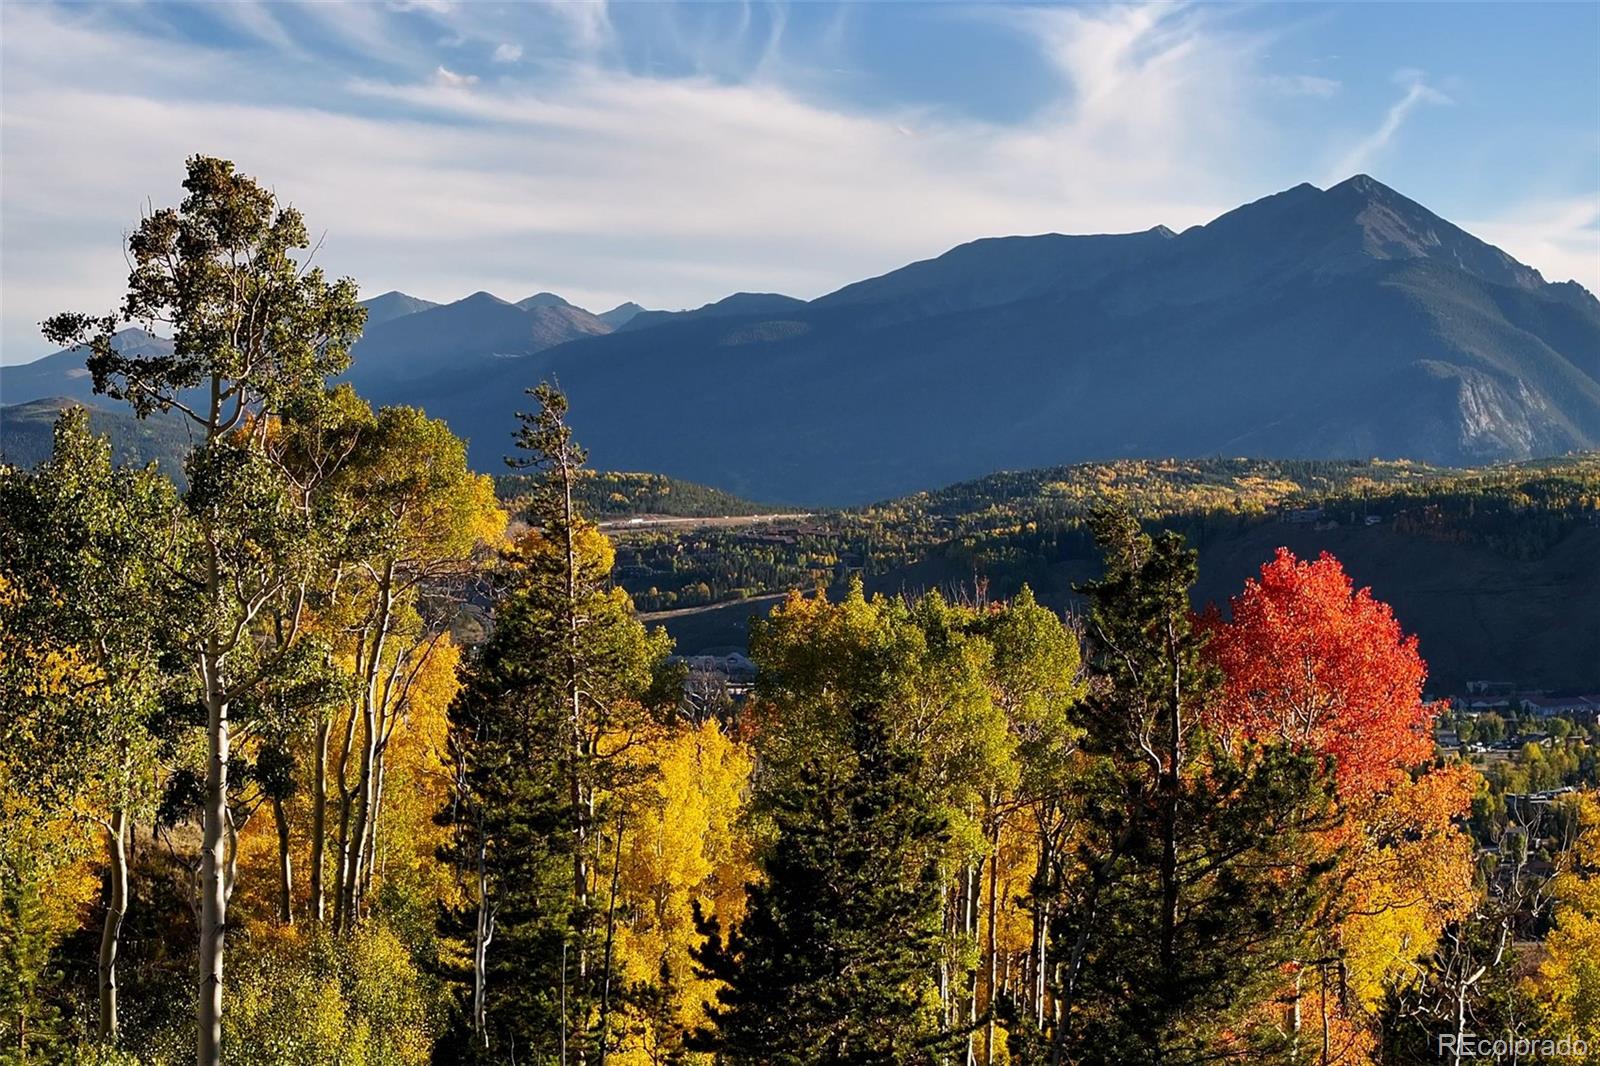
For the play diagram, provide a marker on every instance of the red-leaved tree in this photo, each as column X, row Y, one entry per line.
column 1310, row 660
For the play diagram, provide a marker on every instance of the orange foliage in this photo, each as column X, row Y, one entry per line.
column 1310, row 660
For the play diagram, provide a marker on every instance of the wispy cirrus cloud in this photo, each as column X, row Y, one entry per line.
column 449, row 79
column 603, row 183
column 1415, row 92
column 449, row 148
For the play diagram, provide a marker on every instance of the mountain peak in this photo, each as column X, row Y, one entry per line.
column 543, row 299
column 393, row 304
column 1346, row 228
column 620, row 315
column 1364, row 184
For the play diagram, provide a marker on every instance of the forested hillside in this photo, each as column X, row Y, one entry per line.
column 615, row 494
column 259, row 806
column 1494, row 568
column 26, row 433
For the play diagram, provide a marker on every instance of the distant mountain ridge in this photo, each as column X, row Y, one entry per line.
column 393, row 305
column 406, row 338
column 1343, row 323
column 27, row 434
column 465, row 336
column 1349, row 322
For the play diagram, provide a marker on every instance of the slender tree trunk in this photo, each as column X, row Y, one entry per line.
column 946, row 904
column 563, row 1003
column 285, row 865
column 1171, row 784
column 579, row 793
column 116, row 910
column 611, row 933
column 213, row 862
column 371, row 714
column 970, row 911
column 319, row 821
column 482, row 937
column 1295, row 1016
column 1323, row 972
column 990, row 940
column 1035, row 971
column 369, row 865
column 213, row 866
column 347, row 796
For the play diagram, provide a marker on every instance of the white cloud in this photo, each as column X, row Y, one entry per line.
column 605, row 185
column 506, row 52
column 1360, row 157
column 1559, row 236
column 611, row 186
column 451, row 80
column 588, row 21
column 438, row 7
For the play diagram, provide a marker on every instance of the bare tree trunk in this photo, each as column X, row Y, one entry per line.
column 347, row 797
column 482, row 937
column 285, row 865
column 369, row 866
column 213, row 887
column 116, row 910
column 990, row 940
column 611, row 932
column 319, row 821
column 372, row 697
column 969, row 915
column 945, row 906
column 1171, row 786
column 1035, row 972
column 580, row 795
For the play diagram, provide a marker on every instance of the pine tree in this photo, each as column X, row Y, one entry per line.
column 566, row 680
column 834, row 960
column 1193, row 884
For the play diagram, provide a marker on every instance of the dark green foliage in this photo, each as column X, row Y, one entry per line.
column 510, row 800
column 1195, row 871
column 26, row 433
column 30, row 1014
column 606, row 494
column 567, row 668
column 270, row 331
column 1496, row 540
column 834, row 961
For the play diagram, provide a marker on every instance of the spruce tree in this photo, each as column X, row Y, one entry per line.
column 540, row 739
column 834, row 960
column 1194, row 882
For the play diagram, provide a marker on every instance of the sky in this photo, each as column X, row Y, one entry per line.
column 674, row 153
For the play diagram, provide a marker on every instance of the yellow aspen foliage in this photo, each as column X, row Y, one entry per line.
column 1567, row 983
column 683, row 844
column 1410, row 873
column 48, row 839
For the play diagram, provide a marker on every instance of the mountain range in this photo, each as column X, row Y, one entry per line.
column 1341, row 322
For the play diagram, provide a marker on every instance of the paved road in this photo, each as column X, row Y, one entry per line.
column 685, row 612
column 656, row 521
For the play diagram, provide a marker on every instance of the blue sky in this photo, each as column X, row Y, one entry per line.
column 673, row 153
